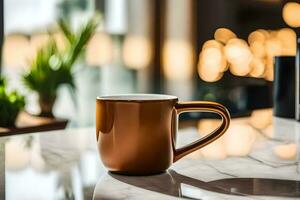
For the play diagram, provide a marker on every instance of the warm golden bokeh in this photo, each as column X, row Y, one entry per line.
column 290, row 14
column 287, row 38
column 99, row 50
column 273, row 47
column 238, row 140
column 239, row 56
column 224, row 35
column 60, row 40
column 212, row 43
column 257, row 36
column 286, row 151
column 37, row 41
column 257, row 67
column 137, row 51
column 261, row 119
column 258, row 49
column 208, row 75
column 178, row 59
column 214, row 59
column 15, row 51
column 254, row 58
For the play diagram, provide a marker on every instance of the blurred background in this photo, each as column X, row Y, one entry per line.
column 216, row 50
column 213, row 50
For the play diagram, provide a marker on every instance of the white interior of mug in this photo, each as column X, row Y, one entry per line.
column 137, row 97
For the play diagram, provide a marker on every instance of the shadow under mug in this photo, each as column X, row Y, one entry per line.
column 136, row 133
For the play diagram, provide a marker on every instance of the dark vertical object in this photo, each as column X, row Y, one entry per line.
column 2, row 144
column 297, row 106
column 100, row 5
column 1, row 31
column 284, row 86
column 158, row 14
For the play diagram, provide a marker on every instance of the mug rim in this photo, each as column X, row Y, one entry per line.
column 122, row 97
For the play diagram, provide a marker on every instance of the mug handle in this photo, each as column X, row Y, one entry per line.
column 205, row 106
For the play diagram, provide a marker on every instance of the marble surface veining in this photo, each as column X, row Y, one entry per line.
column 247, row 163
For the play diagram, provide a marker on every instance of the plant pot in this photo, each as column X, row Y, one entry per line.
column 46, row 105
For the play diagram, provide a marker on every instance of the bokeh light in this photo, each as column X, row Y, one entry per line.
column 99, row 50
column 137, row 52
column 269, row 71
column 290, row 14
column 38, row 40
column 60, row 40
column 261, row 119
column 273, row 47
column 286, row 151
column 239, row 56
column 214, row 59
column 287, row 38
column 224, row 35
column 257, row 36
column 257, row 67
column 15, row 51
column 178, row 59
column 254, row 58
column 212, row 43
column 17, row 156
column 258, row 49
column 238, row 140
column 208, row 75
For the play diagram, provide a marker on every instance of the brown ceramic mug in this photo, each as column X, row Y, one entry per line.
column 136, row 133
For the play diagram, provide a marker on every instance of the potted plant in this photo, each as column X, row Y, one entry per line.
column 52, row 67
column 11, row 103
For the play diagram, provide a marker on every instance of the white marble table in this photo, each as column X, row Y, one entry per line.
column 252, row 161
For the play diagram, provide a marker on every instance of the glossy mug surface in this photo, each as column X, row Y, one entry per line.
column 136, row 133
